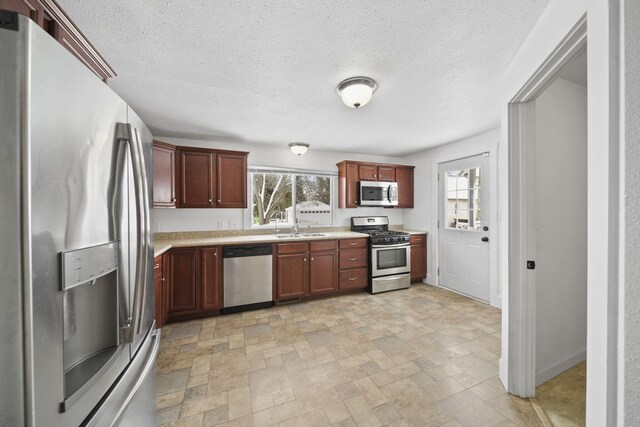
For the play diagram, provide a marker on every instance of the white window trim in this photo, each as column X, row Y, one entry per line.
column 248, row 217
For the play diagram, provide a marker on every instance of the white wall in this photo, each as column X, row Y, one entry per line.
column 424, row 216
column 561, row 228
column 264, row 155
column 603, row 204
column 630, row 221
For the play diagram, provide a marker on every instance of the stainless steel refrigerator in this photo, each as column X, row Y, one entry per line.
column 77, row 335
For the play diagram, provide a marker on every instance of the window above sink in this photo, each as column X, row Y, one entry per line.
column 279, row 198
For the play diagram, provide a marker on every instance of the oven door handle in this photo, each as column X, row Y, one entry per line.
column 399, row 245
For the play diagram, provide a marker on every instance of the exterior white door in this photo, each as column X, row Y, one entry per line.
column 463, row 226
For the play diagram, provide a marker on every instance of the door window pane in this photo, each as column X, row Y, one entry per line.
column 463, row 199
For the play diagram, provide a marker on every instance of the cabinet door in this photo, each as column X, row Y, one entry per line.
column 196, row 179
column 184, row 295
column 367, row 172
column 211, row 260
column 386, row 173
column 349, row 186
column 157, row 285
column 292, row 276
column 232, row 181
column 404, row 178
column 418, row 262
column 323, row 268
column 164, row 187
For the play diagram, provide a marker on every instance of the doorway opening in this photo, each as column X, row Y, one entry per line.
column 548, row 233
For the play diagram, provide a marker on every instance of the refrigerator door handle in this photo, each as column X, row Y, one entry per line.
column 125, row 135
column 137, row 145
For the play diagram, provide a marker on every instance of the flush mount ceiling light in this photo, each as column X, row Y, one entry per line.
column 356, row 91
column 299, row 148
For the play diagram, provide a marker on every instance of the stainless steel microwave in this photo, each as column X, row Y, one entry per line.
column 376, row 193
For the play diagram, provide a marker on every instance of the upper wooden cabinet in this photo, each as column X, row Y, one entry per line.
column 206, row 178
column 164, row 175
column 48, row 15
column 404, row 178
column 351, row 172
column 231, row 180
column 372, row 172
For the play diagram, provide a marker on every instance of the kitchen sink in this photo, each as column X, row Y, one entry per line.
column 292, row 235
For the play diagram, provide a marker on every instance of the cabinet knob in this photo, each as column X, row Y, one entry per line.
column 163, row 279
column 305, row 259
column 210, row 200
column 218, row 200
column 311, row 258
column 173, row 200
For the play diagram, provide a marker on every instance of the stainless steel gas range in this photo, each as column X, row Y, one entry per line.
column 390, row 254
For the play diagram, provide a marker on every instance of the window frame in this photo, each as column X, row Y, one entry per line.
column 248, row 217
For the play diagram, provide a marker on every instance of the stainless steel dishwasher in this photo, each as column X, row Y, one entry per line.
column 247, row 277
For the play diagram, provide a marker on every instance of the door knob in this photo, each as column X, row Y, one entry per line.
column 485, row 239
column 485, row 228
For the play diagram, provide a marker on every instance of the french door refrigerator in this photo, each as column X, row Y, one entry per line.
column 77, row 332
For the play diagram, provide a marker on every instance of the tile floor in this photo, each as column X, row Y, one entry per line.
column 563, row 398
column 417, row 357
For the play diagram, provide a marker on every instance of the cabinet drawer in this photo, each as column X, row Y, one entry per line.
column 292, row 248
column 353, row 243
column 417, row 239
column 325, row 245
column 356, row 258
column 351, row 279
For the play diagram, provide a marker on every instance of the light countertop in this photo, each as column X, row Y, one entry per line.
column 161, row 245
column 165, row 241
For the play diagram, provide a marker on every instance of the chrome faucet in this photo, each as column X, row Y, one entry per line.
column 275, row 229
column 296, row 228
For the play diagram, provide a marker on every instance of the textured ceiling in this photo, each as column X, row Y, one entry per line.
column 266, row 71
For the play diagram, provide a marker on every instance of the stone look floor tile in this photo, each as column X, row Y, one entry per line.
column 416, row 357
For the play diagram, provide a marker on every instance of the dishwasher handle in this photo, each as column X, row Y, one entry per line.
column 247, row 251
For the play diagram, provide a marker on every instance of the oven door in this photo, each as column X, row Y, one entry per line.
column 390, row 259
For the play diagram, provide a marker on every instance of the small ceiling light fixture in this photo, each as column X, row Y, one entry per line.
column 299, row 148
column 356, row 92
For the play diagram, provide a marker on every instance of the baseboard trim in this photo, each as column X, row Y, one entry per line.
column 560, row 367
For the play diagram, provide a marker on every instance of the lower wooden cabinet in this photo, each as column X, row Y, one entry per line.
column 418, row 257
column 194, row 283
column 211, row 279
column 323, row 267
column 353, row 264
column 184, row 295
column 292, row 275
column 312, row 269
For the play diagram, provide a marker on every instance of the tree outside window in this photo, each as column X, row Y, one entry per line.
column 276, row 194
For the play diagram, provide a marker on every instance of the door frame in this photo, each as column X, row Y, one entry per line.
column 521, row 196
column 459, row 153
